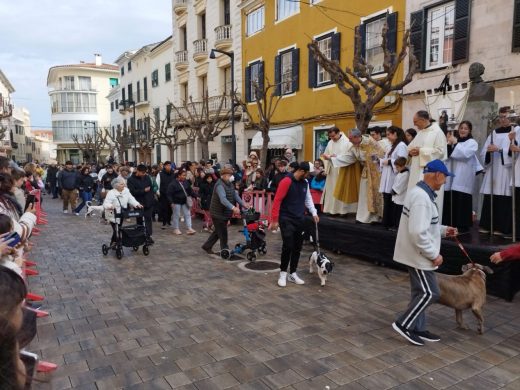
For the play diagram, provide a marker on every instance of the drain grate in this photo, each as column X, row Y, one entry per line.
column 261, row 265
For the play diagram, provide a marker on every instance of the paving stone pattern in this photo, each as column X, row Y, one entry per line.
column 184, row 320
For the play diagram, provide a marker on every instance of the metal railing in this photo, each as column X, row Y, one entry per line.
column 196, row 108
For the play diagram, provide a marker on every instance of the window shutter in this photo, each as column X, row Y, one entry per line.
column 278, row 75
column 391, row 35
column 461, row 32
column 247, row 79
column 261, row 77
column 313, row 65
column 516, row 28
column 336, row 47
column 295, row 70
column 417, row 36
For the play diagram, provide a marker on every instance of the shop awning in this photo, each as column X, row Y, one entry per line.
column 281, row 138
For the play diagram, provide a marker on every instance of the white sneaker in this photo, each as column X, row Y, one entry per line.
column 77, row 214
column 282, row 280
column 294, row 278
column 65, row 211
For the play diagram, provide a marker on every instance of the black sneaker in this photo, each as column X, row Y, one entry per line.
column 150, row 241
column 412, row 338
column 427, row 336
column 208, row 251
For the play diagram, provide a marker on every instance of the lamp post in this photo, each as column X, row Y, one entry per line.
column 231, row 55
column 132, row 102
column 85, row 123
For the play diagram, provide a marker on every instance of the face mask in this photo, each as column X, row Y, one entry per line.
column 232, row 179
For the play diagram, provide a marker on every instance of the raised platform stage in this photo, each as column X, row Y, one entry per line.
column 375, row 243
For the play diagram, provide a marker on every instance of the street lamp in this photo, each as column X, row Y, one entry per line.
column 85, row 123
column 231, row 55
column 124, row 103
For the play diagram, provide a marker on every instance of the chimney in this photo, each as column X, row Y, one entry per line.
column 99, row 60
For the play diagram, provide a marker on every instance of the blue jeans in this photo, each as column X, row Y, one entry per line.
column 177, row 208
column 86, row 196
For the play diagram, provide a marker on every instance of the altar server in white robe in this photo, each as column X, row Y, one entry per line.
column 429, row 144
column 497, row 159
column 396, row 138
column 463, row 162
column 338, row 145
column 514, row 136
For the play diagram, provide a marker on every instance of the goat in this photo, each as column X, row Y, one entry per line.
column 465, row 291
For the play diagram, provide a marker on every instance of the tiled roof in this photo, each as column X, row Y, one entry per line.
column 89, row 65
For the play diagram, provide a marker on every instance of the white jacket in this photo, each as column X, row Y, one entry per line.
column 419, row 236
column 463, row 163
column 116, row 200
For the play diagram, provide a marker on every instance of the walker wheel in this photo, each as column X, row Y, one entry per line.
column 135, row 248
column 119, row 253
column 262, row 250
column 146, row 251
column 104, row 249
column 225, row 254
column 251, row 256
column 238, row 246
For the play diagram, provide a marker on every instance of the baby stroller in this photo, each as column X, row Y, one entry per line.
column 131, row 236
column 254, row 233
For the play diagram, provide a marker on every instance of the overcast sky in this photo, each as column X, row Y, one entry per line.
column 39, row 34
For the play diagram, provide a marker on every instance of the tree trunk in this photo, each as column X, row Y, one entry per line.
column 204, row 149
column 265, row 148
column 171, row 151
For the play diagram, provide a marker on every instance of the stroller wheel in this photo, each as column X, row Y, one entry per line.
column 104, row 249
column 225, row 254
column 135, row 248
column 251, row 256
column 146, row 251
column 119, row 253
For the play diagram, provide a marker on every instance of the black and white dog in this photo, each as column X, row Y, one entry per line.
column 320, row 262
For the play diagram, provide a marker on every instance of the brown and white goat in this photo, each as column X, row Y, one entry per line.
column 465, row 291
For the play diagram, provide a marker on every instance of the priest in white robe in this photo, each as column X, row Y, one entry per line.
column 514, row 136
column 365, row 152
column 338, row 145
column 497, row 180
column 429, row 144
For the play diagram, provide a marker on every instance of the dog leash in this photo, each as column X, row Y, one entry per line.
column 457, row 241
column 317, row 238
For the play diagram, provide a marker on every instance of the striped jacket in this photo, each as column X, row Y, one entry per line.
column 419, row 237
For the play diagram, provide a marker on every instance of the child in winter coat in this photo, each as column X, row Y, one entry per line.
column 399, row 188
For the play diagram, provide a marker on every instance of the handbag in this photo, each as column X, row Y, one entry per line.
column 189, row 200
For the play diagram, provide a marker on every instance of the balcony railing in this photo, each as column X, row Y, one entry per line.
column 215, row 106
column 181, row 59
column 223, row 37
column 200, row 49
column 180, row 6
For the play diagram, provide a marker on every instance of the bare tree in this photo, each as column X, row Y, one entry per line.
column 267, row 100
column 358, row 83
column 91, row 145
column 165, row 134
column 203, row 120
column 120, row 140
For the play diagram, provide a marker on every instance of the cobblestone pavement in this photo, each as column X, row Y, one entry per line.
column 182, row 319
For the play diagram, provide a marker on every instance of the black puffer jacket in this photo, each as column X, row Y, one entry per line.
column 84, row 182
column 137, row 186
column 176, row 194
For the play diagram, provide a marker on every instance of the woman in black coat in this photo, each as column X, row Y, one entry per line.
column 179, row 195
column 206, row 191
column 84, row 184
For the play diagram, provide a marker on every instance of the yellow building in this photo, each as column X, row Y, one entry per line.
column 274, row 51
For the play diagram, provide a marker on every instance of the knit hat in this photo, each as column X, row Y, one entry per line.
column 226, row 171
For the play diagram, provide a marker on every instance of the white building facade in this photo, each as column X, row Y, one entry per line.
column 448, row 37
column 78, row 104
column 6, row 110
column 198, row 27
column 142, row 100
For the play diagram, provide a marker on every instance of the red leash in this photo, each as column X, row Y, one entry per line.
column 463, row 249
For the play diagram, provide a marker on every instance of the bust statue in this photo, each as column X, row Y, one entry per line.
column 479, row 91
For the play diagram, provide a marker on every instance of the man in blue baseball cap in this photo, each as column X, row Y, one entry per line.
column 418, row 248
